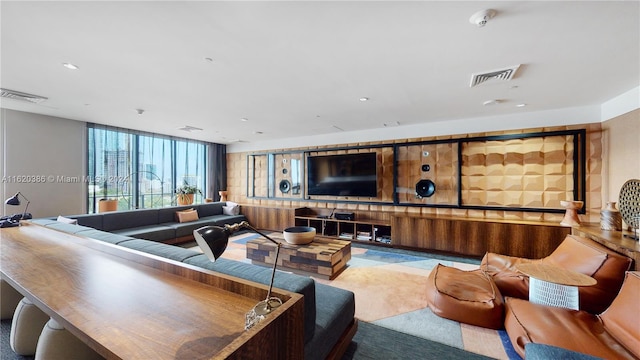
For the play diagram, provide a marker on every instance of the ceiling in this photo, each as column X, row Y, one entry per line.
column 299, row 68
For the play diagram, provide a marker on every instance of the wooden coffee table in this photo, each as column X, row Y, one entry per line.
column 324, row 257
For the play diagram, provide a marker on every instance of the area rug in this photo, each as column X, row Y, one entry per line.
column 390, row 292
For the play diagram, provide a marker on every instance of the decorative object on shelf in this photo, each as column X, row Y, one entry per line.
column 14, row 220
column 571, row 215
column 213, row 241
column 299, row 235
column 629, row 203
column 610, row 218
column 223, row 195
column 185, row 194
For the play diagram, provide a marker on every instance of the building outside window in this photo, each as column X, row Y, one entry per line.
column 141, row 170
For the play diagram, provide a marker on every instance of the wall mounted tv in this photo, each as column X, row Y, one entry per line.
column 343, row 175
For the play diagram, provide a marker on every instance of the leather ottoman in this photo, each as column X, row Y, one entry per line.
column 465, row 296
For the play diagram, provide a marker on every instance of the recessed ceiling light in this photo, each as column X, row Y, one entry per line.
column 244, row 119
column 521, row 105
column 70, row 66
column 364, row 99
column 208, row 59
column 258, row 132
column 140, row 111
column 189, row 128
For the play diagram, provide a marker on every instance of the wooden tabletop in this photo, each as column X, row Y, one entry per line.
column 125, row 309
column 556, row 275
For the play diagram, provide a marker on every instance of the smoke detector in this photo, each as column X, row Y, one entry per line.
column 17, row 95
column 481, row 17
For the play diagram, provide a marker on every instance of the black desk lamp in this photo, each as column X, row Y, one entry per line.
column 213, row 241
column 15, row 219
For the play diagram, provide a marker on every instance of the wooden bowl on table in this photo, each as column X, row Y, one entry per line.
column 299, row 235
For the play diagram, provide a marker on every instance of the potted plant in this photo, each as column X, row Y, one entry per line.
column 185, row 194
column 105, row 204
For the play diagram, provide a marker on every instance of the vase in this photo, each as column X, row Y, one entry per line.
column 610, row 218
column 571, row 215
column 223, row 195
column 105, row 205
column 185, row 199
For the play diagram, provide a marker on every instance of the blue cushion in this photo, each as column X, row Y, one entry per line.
column 150, row 232
column 104, row 236
column 68, row 228
column 286, row 281
column 533, row 351
column 335, row 310
column 90, row 220
column 129, row 219
column 209, row 209
column 167, row 251
column 43, row 222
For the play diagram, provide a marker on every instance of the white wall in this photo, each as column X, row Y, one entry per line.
column 44, row 153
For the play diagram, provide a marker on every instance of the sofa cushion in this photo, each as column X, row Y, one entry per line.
column 622, row 318
column 129, row 219
column 210, row 209
column 150, row 232
column 104, row 236
column 43, row 222
column 90, row 220
column 335, row 311
column 68, row 228
column 167, row 251
column 286, row 281
column 575, row 330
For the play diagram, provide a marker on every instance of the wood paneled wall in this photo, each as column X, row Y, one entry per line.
column 444, row 167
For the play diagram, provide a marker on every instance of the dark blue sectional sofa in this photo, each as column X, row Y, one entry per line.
column 329, row 313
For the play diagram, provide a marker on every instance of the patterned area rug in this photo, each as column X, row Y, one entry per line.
column 389, row 287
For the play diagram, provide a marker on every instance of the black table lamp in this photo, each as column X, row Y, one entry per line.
column 15, row 219
column 213, row 241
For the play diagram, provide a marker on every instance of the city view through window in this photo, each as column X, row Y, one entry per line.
column 139, row 171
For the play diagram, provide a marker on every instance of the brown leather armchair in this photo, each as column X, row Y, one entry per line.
column 614, row 334
column 574, row 253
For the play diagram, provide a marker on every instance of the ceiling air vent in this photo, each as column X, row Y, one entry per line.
column 502, row 74
column 17, row 95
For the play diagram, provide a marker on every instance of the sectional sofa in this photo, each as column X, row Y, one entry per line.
column 329, row 313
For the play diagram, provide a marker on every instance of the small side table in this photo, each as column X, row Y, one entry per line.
column 554, row 286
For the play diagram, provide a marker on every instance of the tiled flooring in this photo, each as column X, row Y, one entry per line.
column 389, row 288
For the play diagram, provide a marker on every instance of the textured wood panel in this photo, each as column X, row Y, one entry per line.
column 474, row 238
column 618, row 241
column 268, row 218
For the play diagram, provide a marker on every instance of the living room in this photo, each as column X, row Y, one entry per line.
column 275, row 81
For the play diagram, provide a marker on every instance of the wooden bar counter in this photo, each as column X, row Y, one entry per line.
column 130, row 305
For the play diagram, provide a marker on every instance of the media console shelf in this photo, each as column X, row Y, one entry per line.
column 367, row 226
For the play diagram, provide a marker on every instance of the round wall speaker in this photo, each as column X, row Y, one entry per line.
column 425, row 188
column 285, row 186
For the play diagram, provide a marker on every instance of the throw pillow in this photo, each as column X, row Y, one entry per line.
column 67, row 220
column 187, row 215
column 231, row 208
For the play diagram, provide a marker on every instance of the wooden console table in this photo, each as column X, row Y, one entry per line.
column 127, row 304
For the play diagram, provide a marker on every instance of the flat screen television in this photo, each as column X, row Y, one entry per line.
column 343, row 175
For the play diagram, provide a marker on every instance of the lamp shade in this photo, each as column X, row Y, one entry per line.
column 14, row 200
column 212, row 240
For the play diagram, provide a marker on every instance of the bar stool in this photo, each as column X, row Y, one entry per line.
column 26, row 327
column 9, row 299
column 57, row 343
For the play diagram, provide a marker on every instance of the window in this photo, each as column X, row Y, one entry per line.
column 141, row 170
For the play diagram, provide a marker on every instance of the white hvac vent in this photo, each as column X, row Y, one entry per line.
column 17, row 95
column 502, row 74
